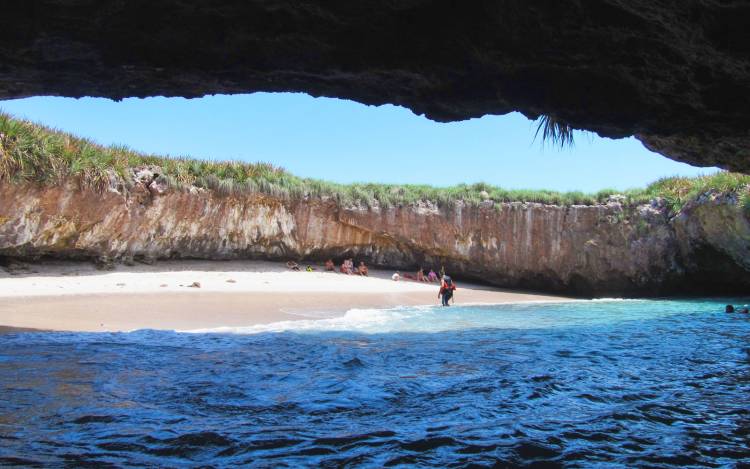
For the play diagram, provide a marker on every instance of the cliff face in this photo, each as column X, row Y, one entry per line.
column 674, row 73
column 587, row 250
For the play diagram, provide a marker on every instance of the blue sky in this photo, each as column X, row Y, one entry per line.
column 345, row 141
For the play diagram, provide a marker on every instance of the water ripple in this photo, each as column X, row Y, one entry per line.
column 644, row 383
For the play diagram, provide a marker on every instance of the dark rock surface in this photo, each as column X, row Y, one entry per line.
column 675, row 73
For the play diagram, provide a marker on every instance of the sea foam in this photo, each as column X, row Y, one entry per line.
column 433, row 319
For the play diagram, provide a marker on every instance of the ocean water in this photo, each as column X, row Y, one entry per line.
column 582, row 384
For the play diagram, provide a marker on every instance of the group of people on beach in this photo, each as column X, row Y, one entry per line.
column 447, row 286
column 420, row 276
column 347, row 267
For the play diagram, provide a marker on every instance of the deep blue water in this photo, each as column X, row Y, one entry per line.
column 620, row 383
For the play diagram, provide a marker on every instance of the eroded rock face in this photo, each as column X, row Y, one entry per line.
column 601, row 250
column 676, row 73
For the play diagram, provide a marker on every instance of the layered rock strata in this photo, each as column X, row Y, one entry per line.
column 601, row 250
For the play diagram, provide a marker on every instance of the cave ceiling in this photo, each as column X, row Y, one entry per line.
column 675, row 74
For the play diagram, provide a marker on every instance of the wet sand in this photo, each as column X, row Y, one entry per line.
column 76, row 297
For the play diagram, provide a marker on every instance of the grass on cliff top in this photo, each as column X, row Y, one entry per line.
column 34, row 153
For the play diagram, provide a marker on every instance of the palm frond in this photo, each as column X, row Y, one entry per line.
column 555, row 132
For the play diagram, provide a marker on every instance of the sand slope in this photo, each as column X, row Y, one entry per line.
column 77, row 297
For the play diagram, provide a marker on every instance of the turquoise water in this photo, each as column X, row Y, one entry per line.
column 539, row 315
column 591, row 383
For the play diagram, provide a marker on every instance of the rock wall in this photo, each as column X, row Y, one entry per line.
column 675, row 73
column 586, row 250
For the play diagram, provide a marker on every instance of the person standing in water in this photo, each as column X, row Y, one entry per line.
column 446, row 290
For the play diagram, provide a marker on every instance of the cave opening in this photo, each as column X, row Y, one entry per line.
column 346, row 142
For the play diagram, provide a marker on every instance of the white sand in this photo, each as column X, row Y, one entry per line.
column 76, row 296
column 249, row 276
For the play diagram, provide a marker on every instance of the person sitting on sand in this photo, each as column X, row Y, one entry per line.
column 729, row 309
column 292, row 265
column 420, row 275
column 409, row 276
column 330, row 267
column 362, row 269
column 347, row 267
column 432, row 276
column 310, row 268
column 396, row 277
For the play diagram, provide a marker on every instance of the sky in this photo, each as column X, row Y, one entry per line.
column 344, row 141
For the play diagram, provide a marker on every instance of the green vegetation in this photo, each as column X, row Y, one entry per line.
column 745, row 202
column 677, row 191
column 33, row 153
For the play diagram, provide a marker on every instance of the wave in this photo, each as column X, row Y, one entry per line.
column 426, row 319
column 358, row 320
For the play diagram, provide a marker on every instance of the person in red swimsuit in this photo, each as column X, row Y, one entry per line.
column 447, row 287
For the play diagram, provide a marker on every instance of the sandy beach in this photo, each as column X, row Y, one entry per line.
column 77, row 297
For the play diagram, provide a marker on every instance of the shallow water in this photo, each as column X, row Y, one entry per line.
column 596, row 383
